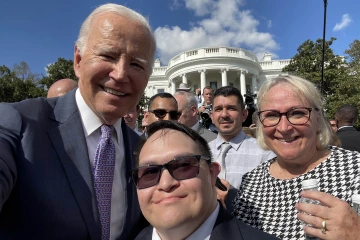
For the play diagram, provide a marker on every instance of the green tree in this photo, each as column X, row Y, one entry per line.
column 59, row 70
column 307, row 63
column 14, row 88
column 341, row 81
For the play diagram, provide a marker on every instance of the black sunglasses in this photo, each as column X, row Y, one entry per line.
column 180, row 168
column 161, row 113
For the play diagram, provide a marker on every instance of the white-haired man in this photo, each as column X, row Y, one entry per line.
column 65, row 161
column 187, row 105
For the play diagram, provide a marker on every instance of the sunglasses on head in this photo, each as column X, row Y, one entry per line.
column 180, row 168
column 161, row 113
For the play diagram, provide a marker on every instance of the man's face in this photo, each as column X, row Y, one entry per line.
column 228, row 116
column 188, row 114
column 208, row 96
column 333, row 125
column 176, row 203
column 159, row 103
column 131, row 117
column 115, row 66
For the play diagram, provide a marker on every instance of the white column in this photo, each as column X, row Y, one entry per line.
column 173, row 87
column 224, row 81
column 242, row 82
column 202, row 81
column 184, row 79
column 254, row 87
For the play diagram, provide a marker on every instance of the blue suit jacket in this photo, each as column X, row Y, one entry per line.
column 46, row 182
column 226, row 227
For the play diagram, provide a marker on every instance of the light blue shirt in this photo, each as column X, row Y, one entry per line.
column 243, row 156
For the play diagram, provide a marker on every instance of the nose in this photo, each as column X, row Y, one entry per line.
column 120, row 71
column 224, row 112
column 284, row 124
column 167, row 182
column 167, row 117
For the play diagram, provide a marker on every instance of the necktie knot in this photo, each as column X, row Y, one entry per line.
column 106, row 131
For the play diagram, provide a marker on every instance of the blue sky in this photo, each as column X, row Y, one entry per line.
column 39, row 32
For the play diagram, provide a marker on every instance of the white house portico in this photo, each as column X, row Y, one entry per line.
column 215, row 67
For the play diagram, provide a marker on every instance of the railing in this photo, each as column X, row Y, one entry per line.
column 213, row 52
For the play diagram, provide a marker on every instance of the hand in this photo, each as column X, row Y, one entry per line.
column 201, row 109
column 221, row 195
column 342, row 222
column 198, row 91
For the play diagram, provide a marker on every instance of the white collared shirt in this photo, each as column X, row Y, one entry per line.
column 203, row 232
column 91, row 124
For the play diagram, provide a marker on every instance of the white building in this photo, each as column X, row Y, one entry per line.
column 215, row 67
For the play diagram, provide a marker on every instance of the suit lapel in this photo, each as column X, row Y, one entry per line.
column 69, row 141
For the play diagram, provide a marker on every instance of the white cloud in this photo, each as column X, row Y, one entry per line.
column 345, row 21
column 269, row 24
column 223, row 23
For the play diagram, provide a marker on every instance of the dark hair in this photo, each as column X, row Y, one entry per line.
column 162, row 95
column 347, row 113
column 230, row 91
column 200, row 142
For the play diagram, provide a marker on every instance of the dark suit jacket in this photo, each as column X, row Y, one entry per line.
column 46, row 182
column 350, row 138
column 226, row 227
column 206, row 134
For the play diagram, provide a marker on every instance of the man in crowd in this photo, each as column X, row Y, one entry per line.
column 61, row 87
column 236, row 152
column 187, row 105
column 345, row 118
column 162, row 106
column 65, row 162
column 333, row 125
column 205, row 108
column 132, row 117
column 177, row 192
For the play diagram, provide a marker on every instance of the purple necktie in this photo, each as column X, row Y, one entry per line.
column 104, row 165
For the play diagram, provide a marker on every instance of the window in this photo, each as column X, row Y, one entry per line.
column 213, row 85
column 160, row 90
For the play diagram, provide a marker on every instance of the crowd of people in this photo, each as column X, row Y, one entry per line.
column 75, row 165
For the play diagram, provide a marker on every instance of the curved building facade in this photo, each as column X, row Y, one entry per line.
column 215, row 67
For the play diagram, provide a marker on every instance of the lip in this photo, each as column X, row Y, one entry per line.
column 287, row 140
column 169, row 200
column 114, row 92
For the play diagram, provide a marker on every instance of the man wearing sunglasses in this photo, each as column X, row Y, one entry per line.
column 175, row 181
column 162, row 106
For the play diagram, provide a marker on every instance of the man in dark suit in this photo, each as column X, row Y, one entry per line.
column 345, row 118
column 175, row 181
column 187, row 105
column 49, row 146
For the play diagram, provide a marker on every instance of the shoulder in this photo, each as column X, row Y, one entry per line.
column 234, row 229
column 145, row 234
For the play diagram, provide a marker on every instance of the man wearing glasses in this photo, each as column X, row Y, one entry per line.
column 162, row 106
column 175, row 181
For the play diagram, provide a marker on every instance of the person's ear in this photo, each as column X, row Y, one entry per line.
column 214, row 171
column 193, row 110
column 244, row 114
column 77, row 60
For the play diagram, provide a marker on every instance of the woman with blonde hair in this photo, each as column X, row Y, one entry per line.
column 292, row 125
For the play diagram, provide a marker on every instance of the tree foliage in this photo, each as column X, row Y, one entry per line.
column 341, row 83
column 60, row 69
column 14, row 88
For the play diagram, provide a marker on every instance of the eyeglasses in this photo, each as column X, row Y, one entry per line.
column 296, row 116
column 161, row 113
column 180, row 168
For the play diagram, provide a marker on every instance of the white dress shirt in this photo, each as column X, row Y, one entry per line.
column 203, row 232
column 91, row 124
column 243, row 156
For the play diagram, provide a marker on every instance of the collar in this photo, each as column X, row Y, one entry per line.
column 345, row 127
column 235, row 142
column 91, row 122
